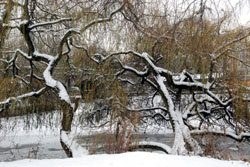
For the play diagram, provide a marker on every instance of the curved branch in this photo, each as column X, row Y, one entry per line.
column 133, row 70
column 102, row 20
column 150, row 145
column 49, row 23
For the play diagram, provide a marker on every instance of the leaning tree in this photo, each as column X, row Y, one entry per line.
column 195, row 63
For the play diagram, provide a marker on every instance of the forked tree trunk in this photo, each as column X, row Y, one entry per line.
column 183, row 136
column 183, row 139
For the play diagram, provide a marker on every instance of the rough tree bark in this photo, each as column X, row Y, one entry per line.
column 68, row 115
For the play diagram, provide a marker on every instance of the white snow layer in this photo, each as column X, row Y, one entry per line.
column 132, row 159
column 76, row 149
column 163, row 146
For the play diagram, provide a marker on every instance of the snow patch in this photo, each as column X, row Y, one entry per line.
column 128, row 159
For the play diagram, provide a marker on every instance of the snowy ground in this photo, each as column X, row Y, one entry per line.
column 134, row 159
column 43, row 143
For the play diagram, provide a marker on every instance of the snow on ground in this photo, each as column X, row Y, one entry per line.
column 17, row 141
column 132, row 159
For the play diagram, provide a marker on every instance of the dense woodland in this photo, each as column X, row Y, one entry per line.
column 183, row 65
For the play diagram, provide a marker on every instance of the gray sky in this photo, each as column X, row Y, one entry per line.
column 245, row 15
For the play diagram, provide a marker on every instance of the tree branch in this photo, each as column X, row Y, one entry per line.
column 23, row 96
column 102, row 20
column 227, row 133
column 49, row 23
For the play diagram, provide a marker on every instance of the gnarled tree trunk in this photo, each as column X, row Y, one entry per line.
column 69, row 145
column 66, row 127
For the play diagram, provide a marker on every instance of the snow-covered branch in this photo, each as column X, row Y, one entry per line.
column 126, row 80
column 144, row 56
column 128, row 68
column 51, row 82
column 52, row 62
column 64, row 39
column 43, row 56
column 18, row 51
column 150, row 145
column 23, row 96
